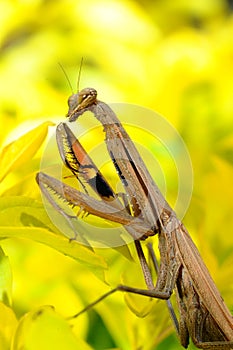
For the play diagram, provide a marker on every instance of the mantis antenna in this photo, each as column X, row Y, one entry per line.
column 67, row 78
column 79, row 73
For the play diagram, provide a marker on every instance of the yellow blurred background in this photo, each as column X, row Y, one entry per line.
column 175, row 57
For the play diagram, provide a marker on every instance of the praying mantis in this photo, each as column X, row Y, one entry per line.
column 203, row 315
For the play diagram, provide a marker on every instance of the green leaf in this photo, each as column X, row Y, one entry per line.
column 5, row 279
column 45, row 329
column 22, row 150
column 8, row 324
column 138, row 304
column 60, row 243
column 24, row 217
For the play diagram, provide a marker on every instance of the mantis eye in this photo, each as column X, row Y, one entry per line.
column 78, row 102
column 86, row 97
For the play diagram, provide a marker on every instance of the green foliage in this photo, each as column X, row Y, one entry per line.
column 44, row 329
column 5, row 280
column 174, row 57
column 15, row 154
column 8, row 325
